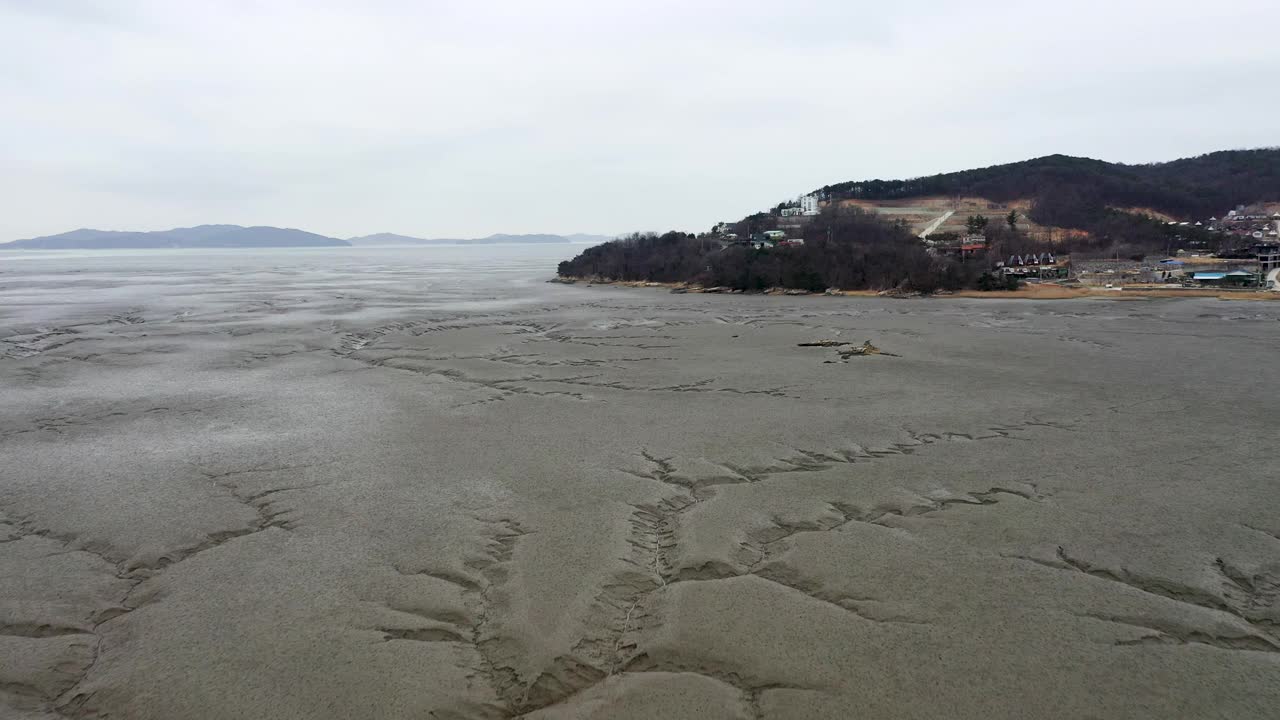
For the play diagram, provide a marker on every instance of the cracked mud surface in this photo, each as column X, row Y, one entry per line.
column 412, row 484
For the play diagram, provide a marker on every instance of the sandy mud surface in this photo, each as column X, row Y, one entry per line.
column 353, row 484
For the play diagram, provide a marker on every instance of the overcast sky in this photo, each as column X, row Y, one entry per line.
column 459, row 119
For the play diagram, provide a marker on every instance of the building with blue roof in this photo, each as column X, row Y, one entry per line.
column 1233, row 278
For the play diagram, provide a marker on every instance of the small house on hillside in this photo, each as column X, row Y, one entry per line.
column 963, row 251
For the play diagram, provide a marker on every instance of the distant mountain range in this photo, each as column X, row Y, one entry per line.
column 393, row 239
column 228, row 236
column 202, row 236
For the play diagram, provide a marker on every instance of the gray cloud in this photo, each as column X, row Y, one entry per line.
column 451, row 118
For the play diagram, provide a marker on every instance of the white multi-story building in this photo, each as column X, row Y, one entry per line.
column 805, row 205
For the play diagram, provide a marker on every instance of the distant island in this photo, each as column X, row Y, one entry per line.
column 202, row 236
column 236, row 236
column 986, row 229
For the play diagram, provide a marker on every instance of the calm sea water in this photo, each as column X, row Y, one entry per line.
column 486, row 259
column 37, row 286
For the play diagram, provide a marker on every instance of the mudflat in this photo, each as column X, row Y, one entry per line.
column 352, row 483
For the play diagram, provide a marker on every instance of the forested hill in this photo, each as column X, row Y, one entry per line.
column 849, row 247
column 844, row 248
column 1193, row 187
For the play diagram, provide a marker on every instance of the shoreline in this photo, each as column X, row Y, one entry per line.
column 1026, row 292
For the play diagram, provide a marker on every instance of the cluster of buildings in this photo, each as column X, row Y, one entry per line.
column 1253, row 261
column 1185, row 271
column 966, row 247
column 1248, row 242
column 773, row 238
column 1235, row 235
column 758, row 240
column 1249, row 259
column 1041, row 266
column 1244, row 223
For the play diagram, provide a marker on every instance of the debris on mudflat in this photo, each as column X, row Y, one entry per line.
column 865, row 348
column 823, row 343
column 847, row 349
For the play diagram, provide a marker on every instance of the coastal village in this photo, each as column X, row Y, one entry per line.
column 1239, row 251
